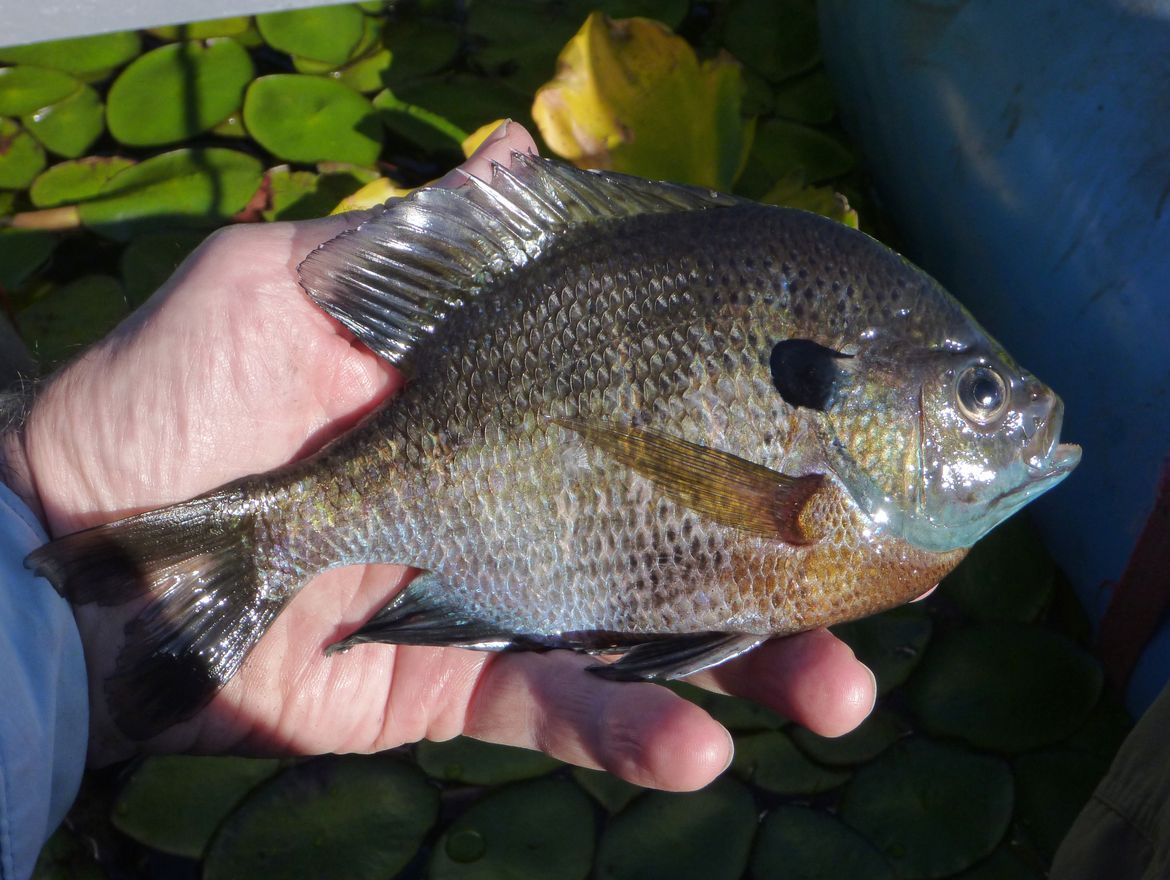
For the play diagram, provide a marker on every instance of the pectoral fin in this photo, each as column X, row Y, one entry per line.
column 678, row 656
column 720, row 486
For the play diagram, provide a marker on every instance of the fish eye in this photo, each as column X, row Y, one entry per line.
column 982, row 394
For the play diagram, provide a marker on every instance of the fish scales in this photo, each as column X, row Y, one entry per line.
column 640, row 418
column 529, row 527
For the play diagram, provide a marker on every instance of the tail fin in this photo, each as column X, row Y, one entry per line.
column 209, row 602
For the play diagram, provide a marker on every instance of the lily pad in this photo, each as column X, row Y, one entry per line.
column 309, row 119
column 1005, row 687
column 706, row 833
column 808, row 99
column 772, row 762
column 735, row 713
column 25, row 88
column 347, row 817
column 22, row 252
column 1052, row 787
column 631, row 96
column 608, row 790
column 1002, row 865
column 517, row 40
column 323, row 33
column 791, row 192
column 414, row 123
column 234, row 26
column 1008, row 575
column 184, row 188
column 776, row 38
column 70, row 126
column 538, row 830
column 446, row 95
column 783, row 148
column 21, row 156
column 876, row 734
column 66, row 856
column 67, row 183
column 60, row 323
column 474, row 762
column 81, row 56
column 890, row 643
column 420, row 46
column 301, row 195
column 799, row 843
column 932, row 809
column 177, row 91
column 150, row 259
column 175, row 803
column 367, row 74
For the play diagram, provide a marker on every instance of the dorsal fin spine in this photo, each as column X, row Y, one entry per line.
column 396, row 278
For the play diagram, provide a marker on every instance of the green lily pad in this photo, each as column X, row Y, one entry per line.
column 60, row 323
column 414, row 123
column 670, row 12
column 1008, row 575
column 351, row 817
column 21, row 156
column 735, row 713
column 309, row 119
column 446, row 96
column 67, row 183
column 1107, row 726
column 323, row 33
column 474, row 762
column 1052, row 787
column 1004, row 687
column 706, row 833
column 538, row 830
column 25, row 88
column 808, row 99
column 791, row 192
column 183, row 188
column 772, row 762
column 234, row 26
column 82, row 56
column 876, row 734
column 8, row 200
column 177, row 91
column 608, row 790
column 776, row 38
column 70, row 126
column 367, row 74
column 932, row 809
column 22, row 252
column 518, row 40
column 891, row 643
column 175, row 803
column 799, row 843
column 1002, row 864
column 301, row 195
column 150, row 259
column 65, row 856
column 783, row 148
column 420, row 46
column 232, row 127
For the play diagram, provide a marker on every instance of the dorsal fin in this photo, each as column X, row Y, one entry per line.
column 395, row 278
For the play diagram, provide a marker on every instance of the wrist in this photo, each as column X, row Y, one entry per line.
column 15, row 471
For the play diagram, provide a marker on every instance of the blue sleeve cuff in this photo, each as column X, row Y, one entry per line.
column 44, row 724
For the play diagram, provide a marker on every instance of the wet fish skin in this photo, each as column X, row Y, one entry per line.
column 639, row 418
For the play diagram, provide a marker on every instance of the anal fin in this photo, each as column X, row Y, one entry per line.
column 420, row 615
column 677, row 656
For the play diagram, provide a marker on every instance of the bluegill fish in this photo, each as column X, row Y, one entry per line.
column 641, row 418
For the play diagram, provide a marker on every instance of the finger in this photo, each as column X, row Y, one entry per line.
column 811, row 678
column 509, row 138
column 641, row 732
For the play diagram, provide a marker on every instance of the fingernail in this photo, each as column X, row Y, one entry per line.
column 874, row 690
column 730, row 751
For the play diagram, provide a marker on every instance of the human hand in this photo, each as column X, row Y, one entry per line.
column 230, row 370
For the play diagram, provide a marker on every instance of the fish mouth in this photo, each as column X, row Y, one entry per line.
column 1047, row 460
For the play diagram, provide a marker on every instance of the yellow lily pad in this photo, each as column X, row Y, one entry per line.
column 376, row 192
column 631, row 96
